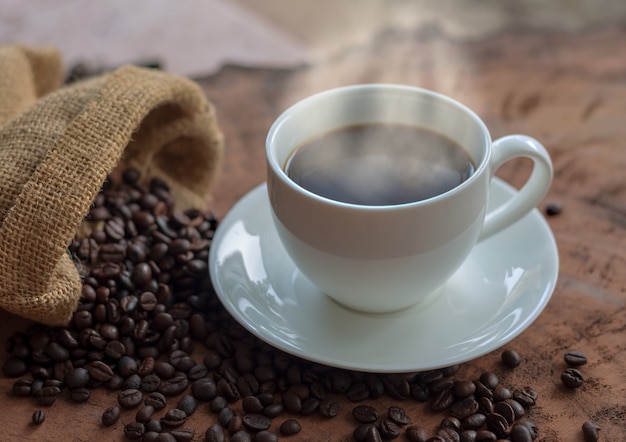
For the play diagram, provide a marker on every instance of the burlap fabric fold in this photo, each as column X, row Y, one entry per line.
column 58, row 145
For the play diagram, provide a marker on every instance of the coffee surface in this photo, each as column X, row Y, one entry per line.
column 379, row 164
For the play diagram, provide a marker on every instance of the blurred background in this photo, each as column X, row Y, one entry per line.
column 197, row 37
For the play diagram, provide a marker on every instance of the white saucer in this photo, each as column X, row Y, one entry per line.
column 498, row 292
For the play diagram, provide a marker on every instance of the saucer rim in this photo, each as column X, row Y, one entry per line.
column 536, row 309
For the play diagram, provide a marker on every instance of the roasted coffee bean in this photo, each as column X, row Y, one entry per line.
column 463, row 389
column 181, row 360
column 247, row 385
column 235, row 424
column 375, row 386
column 130, row 398
column 506, row 410
column 498, row 424
column 241, row 436
column 165, row 437
column 53, row 383
column 420, row 392
column 225, row 415
column 485, row 436
column 489, row 379
column 110, row 416
column 310, row 406
column 448, row 435
column 228, row 390
column 329, row 408
column 150, row 383
column 428, row 377
column 252, row 404
column 338, row 381
column 80, row 395
column 183, row 434
column 217, row 404
column 57, row 352
column 361, row 431
column 534, row 431
column 153, row 425
column 174, row 386
column 150, row 436
column 215, row 433
column 485, row 405
column 416, row 434
column 76, row 378
column 482, row 390
column 266, row 398
column 35, row 386
column 501, row 393
column 256, row 422
column 451, row 422
column 127, row 366
column 134, row 430
column 397, row 386
column 510, row 358
column 441, row 385
column 174, row 418
column 38, row 417
column 464, row 407
column 591, row 431
column 389, row 429
column 47, row 395
column 373, row 434
column 357, row 392
column 144, row 414
column 132, row 382
column 23, row 387
column 156, row 400
column 188, row 404
column 474, row 421
column 265, row 373
column 398, row 415
column 292, row 403
column 198, row 371
column 553, row 208
column 468, row 436
column 274, row 410
column 520, row 433
column 365, row 414
column 518, row 409
column 442, row 400
column 575, row 358
column 265, row 436
column 526, row 396
column 100, row 371
column 290, row 427
column 114, row 349
column 572, row 378
column 204, row 389
column 164, row 370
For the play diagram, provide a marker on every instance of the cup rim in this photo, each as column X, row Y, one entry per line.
column 278, row 170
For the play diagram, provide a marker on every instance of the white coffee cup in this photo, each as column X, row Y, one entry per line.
column 384, row 258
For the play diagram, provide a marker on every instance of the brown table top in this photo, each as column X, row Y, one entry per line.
column 567, row 90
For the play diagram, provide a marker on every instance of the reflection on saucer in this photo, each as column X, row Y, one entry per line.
column 498, row 292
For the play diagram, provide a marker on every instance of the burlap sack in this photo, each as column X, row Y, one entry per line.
column 57, row 147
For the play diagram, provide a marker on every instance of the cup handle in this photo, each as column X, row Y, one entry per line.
column 503, row 150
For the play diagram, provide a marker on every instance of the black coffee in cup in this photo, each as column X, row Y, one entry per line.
column 379, row 164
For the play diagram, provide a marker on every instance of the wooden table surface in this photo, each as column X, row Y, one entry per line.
column 566, row 89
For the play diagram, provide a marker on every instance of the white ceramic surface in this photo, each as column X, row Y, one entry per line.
column 497, row 293
column 350, row 251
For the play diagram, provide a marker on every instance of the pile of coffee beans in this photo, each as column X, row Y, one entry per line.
column 150, row 329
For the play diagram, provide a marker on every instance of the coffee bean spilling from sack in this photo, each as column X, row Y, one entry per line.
column 147, row 302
